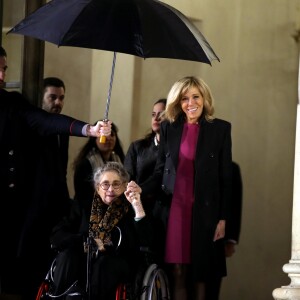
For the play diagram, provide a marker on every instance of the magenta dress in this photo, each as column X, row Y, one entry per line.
column 178, row 240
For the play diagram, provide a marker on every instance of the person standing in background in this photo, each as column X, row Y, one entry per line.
column 140, row 162
column 50, row 195
column 141, row 156
column 53, row 102
column 233, row 228
column 194, row 167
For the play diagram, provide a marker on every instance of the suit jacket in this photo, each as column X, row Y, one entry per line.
column 212, row 188
column 50, row 198
column 21, row 124
column 23, row 215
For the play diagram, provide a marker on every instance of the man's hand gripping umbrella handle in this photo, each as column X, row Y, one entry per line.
column 102, row 138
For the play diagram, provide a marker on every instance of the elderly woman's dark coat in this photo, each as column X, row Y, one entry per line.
column 212, row 188
column 110, row 267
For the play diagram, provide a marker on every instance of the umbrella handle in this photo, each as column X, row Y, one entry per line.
column 102, row 139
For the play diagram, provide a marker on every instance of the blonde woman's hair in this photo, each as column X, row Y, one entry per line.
column 179, row 88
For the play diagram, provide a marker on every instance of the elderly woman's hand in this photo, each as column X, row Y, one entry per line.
column 133, row 195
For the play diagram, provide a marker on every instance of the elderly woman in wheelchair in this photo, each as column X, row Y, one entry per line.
column 100, row 249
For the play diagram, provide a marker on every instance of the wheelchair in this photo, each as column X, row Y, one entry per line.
column 150, row 282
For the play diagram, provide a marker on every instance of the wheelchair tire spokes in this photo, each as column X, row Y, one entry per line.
column 155, row 284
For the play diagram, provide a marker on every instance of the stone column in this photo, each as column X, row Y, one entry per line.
column 33, row 60
column 292, row 291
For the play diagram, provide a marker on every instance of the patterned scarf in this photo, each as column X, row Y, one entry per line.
column 104, row 218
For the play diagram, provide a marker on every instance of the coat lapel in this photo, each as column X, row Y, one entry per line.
column 174, row 139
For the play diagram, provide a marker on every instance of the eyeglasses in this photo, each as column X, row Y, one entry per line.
column 116, row 185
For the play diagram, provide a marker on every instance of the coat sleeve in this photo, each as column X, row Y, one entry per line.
column 130, row 162
column 45, row 123
column 154, row 182
column 225, row 173
column 145, row 232
column 233, row 224
column 84, row 185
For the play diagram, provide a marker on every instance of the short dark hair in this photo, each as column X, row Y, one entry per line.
column 162, row 100
column 54, row 81
column 2, row 52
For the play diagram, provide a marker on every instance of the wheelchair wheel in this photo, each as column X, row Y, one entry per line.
column 43, row 291
column 155, row 284
column 45, row 287
column 121, row 292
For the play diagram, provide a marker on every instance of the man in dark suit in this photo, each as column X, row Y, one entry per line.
column 233, row 228
column 20, row 125
column 54, row 90
column 50, row 191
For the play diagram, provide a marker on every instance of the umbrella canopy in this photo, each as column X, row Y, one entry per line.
column 144, row 28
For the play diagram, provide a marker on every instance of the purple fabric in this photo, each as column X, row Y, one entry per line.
column 178, row 241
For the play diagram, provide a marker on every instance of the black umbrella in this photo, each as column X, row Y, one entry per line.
column 144, row 28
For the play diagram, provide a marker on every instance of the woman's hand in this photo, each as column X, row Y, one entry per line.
column 133, row 195
column 229, row 249
column 133, row 187
column 220, row 230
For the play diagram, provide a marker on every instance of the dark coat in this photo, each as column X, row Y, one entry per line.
column 140, row 159
column 21, row 124
column 109, row 268
column 140, row 163
column 212, row 187
column 50, row 196
column 233, row 223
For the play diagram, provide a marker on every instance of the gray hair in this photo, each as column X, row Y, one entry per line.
column 111, row 166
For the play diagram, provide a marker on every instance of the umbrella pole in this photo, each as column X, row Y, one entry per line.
column 103, row 138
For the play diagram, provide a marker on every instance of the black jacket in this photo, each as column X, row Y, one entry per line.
column 212, row 190
column 73, row 231
column 140, row 163
column 109, row 268
column 21, row 125
column 233, row 223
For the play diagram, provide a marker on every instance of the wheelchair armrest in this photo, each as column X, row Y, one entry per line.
column 145, row 249
column 148, row 254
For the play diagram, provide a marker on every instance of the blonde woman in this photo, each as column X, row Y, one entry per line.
column 194, row 168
